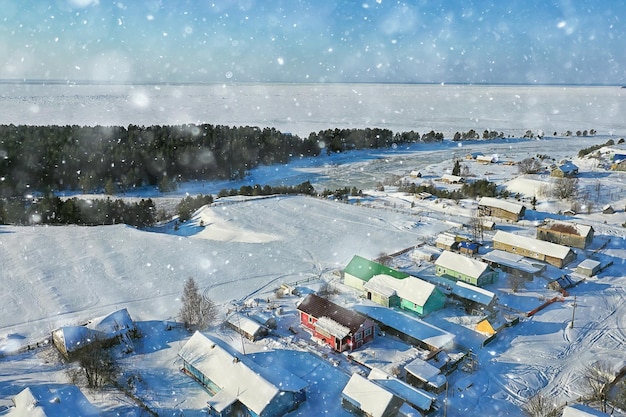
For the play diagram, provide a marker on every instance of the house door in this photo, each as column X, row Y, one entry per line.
column 369, row 295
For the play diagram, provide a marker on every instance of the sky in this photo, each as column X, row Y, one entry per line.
column 313, row 41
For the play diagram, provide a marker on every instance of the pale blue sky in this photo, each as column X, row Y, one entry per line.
column 532, row 41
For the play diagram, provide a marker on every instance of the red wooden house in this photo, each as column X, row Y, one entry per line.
column 339, row 327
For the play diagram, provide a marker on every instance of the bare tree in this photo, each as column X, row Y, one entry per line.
column 197, row 311
column 477, row 226
column 529, row 166
column 565, row 188
column 96, row 365
column 597, row 379
column 541, row 406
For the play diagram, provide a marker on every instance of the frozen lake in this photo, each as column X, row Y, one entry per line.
column 305, row 108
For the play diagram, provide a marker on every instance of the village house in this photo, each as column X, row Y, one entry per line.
column 239, row 386
column 551, row 253
column 361, row 270
column 364, row 397
column 338, row 327
column 115, row 328
column 415, row 398
column 422, row 374
column 502, row 209
column 462, row 268
column 411, row 293
column 566, row 233
column 452, row 179
column 486, row 159
column 565, row 170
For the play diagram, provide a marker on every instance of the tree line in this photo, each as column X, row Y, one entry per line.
column 116, row 158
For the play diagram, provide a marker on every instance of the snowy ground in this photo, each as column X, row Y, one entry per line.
column 56, row 276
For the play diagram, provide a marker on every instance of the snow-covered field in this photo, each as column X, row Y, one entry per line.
column 56, row 276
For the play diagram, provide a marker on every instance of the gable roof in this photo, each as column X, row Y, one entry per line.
column 532, row 244
column 568, row 167
column 238, row 378
column 319, row 307
column 567, row 227
column 245, row 323
column 411, row 289
column 415, row 396
column 473, row 293
column 42, row 401
column 371, row 398
column 103, row 328
column 409, row 325
column 365, row 269
column 502, row 204
column 461, row 263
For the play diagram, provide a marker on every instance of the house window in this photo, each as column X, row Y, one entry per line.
column 368, row 331
column 358, row 336
column 310, row 319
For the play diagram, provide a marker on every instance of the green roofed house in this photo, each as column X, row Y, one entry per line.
column 361, row 270
column 411, row 294
column 463, row 268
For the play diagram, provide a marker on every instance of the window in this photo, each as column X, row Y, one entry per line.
column 368, row 331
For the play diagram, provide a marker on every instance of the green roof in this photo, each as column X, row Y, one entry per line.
column 365, row 269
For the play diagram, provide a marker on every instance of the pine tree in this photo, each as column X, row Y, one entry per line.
column 197, row 311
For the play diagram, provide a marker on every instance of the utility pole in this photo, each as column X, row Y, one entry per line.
column 571, row 325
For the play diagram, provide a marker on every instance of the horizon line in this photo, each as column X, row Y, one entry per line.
column 59, row 81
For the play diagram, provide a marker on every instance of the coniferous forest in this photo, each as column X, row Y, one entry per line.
column 113, row 159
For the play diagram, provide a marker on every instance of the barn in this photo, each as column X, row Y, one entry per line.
column 246, row 326
column 239, row 386
column 361, row 270
column 551, row 253
column 502, row 209
column 473, row 297
column 412, row 294
column 565, row 233
column 408, row 328
column 112, row 329
column 589, row 267
column 340, row 328
column 462, row 268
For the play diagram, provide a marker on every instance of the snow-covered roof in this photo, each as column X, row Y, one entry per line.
column 411, row 289
column 426, row 372
column 370, row 397
column 447, row 239
column 409, row 325
column 461, row 263
column 532, row 244
column 512, row 260
column 414, row 396
column 102, row 328
column 41, row 401
column 568, row 167
column 452, row 178
column 580, row 410
column 331, row 326
column 245, row 323
column 237, row 377
column 501, row 204
column 590, row 264
column 473, row 293
column 425, row 252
